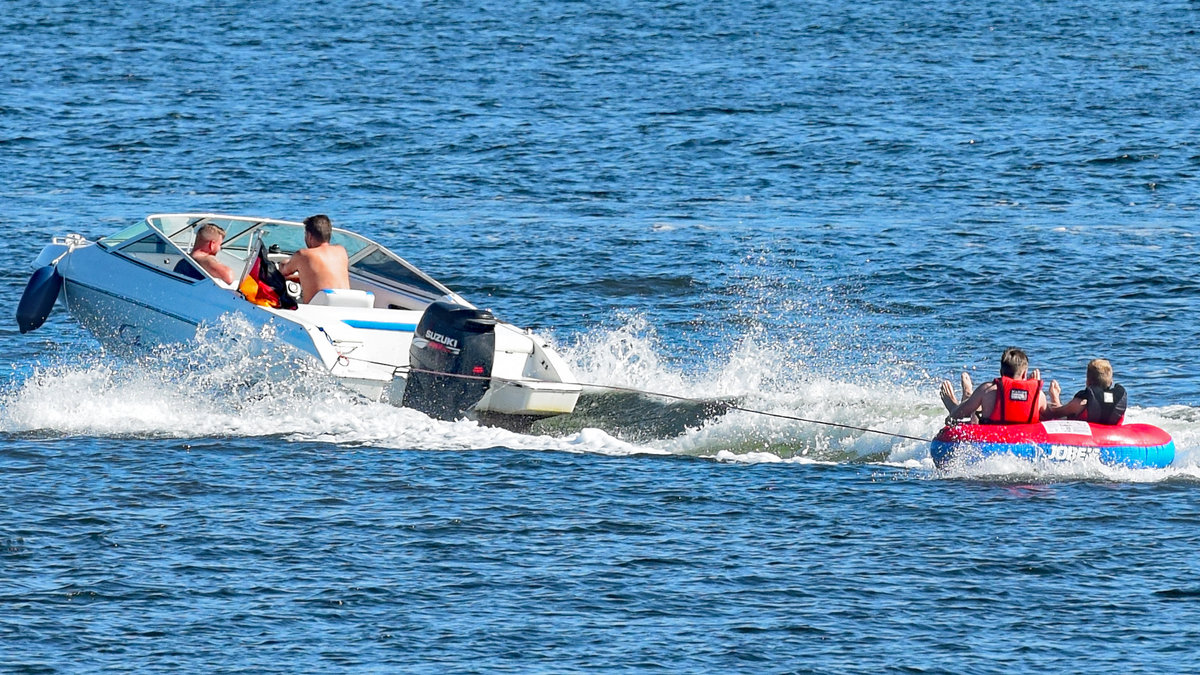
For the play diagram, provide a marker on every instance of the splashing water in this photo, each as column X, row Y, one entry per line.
column 235, row 382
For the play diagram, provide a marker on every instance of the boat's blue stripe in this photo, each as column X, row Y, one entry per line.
column 380, row 325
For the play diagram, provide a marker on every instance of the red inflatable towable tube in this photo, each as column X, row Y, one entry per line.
column 1132, row 445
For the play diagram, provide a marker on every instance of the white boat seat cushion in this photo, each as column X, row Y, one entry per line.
column 343, row 297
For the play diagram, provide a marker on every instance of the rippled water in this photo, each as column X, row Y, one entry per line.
column 816, row 210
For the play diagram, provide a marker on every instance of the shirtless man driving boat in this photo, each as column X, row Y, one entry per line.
column 204, row 251
column 1009, row 399
column 322, row 265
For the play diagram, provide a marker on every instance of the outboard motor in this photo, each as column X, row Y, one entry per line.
column 451, row 360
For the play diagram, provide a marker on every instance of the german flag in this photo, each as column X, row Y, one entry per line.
column 264, row 283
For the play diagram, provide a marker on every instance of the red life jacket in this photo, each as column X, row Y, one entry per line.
column 1017, row 401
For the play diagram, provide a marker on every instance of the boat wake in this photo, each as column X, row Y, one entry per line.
column 237, row 383
column 234, row 383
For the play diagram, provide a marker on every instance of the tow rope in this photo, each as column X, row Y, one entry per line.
column 674, row 397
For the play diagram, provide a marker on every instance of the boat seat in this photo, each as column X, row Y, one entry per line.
column 186, row 268
column 343, row 297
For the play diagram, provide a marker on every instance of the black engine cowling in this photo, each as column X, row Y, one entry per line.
column 450, row 359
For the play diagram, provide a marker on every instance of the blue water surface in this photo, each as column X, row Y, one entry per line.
column 814, row 209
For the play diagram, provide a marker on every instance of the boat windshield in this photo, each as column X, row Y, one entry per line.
column 390, row 269
column 369, row 262
column 371, row 265
column 289, row 238
column 131, row 232
column 181, row 228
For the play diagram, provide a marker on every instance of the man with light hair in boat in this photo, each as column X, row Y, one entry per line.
column 1011, row 398
column 1101, row 401
column 204, row 251
column 321, row 266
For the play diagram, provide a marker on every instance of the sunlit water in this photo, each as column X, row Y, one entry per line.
column 763, row 212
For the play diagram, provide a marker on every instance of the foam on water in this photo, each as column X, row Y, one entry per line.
column 767, row 404
column 234, row 383
column 770, row 382
column 784, row 383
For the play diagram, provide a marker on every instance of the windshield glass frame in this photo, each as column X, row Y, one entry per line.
column 134, row 231
column 368, row 259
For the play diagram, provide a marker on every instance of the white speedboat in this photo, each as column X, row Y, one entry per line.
column 396, row 334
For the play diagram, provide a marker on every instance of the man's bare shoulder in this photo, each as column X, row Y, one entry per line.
column 330, row 255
